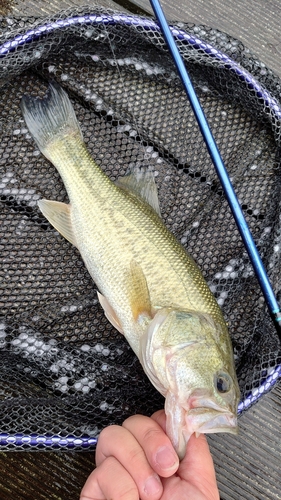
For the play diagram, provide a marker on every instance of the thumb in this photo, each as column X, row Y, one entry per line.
column 197, row 467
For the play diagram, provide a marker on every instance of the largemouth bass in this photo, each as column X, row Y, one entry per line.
column 151, row 290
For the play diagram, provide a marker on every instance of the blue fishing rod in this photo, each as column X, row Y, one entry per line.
column 270, row 299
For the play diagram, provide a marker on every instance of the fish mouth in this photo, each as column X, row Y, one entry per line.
column 207, row 421
column 219, row 422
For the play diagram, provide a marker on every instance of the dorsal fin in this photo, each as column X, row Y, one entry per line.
column 141, row 182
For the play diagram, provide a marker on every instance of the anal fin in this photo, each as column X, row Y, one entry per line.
column 58, row 214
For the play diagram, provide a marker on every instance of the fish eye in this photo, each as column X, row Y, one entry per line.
column 223, row 382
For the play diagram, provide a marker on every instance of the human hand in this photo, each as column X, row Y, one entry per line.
column 137, row 461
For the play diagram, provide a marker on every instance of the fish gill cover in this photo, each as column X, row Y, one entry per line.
column 65, row 371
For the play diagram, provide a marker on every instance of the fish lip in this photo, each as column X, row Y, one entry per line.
column 224, row 422
column 218, row 420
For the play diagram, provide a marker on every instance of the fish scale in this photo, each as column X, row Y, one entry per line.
column 118, row 228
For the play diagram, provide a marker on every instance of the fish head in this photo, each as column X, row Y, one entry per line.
column 188, row 357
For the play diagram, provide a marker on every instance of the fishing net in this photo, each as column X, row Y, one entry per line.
column 65, row 371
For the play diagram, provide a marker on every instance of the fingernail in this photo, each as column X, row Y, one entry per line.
column 166, row 458
column 152, row 485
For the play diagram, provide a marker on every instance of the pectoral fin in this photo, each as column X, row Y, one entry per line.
column 109, row 312
column 139, row 293
column 141, row 182
column 58, row 214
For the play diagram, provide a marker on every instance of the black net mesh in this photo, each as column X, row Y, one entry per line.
column 65, row 371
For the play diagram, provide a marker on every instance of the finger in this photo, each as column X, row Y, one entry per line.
column 110, row 481
column 160, row 417
column 118, row 442
column 197, row 466
column 155, row 443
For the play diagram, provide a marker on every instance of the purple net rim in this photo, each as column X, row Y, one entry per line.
column 86, row 442
column 147, row 24
column 38, row 440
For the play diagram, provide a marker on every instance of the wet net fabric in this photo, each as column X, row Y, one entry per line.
column 65, row 371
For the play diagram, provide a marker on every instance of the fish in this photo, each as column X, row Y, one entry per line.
column 150, row 288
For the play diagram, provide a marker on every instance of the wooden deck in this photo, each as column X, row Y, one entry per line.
column 248, row 466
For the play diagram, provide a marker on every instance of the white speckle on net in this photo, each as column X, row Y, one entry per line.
column 85, row 389
column 64, row 77
column 183, row 240
column 38, row 343
column 249, row 272
column 95, row 58
column 2, row 334
column 276, row 248
column 104, row 367
column 31, row 339
column 213, row 288
column 46, row 347
column 123, row 128
column 218, row 276
column 119, row 351
column 195, row 224
column 106, row 352
column 98, row 347
column 63, row 388
column 31, row 349
column 16, row 342
column 55, row 368
column 205, row 89
column 253, row 167
column 85, row 348
column 16, row 132
column 37, row 54
column 39, row 352
column 63, row 380
column 23, row 335
column 104, row 406
column 2, row 326
column 229, row 269
column 51, row 68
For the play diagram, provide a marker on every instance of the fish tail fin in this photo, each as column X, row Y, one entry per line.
column 51, row 118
